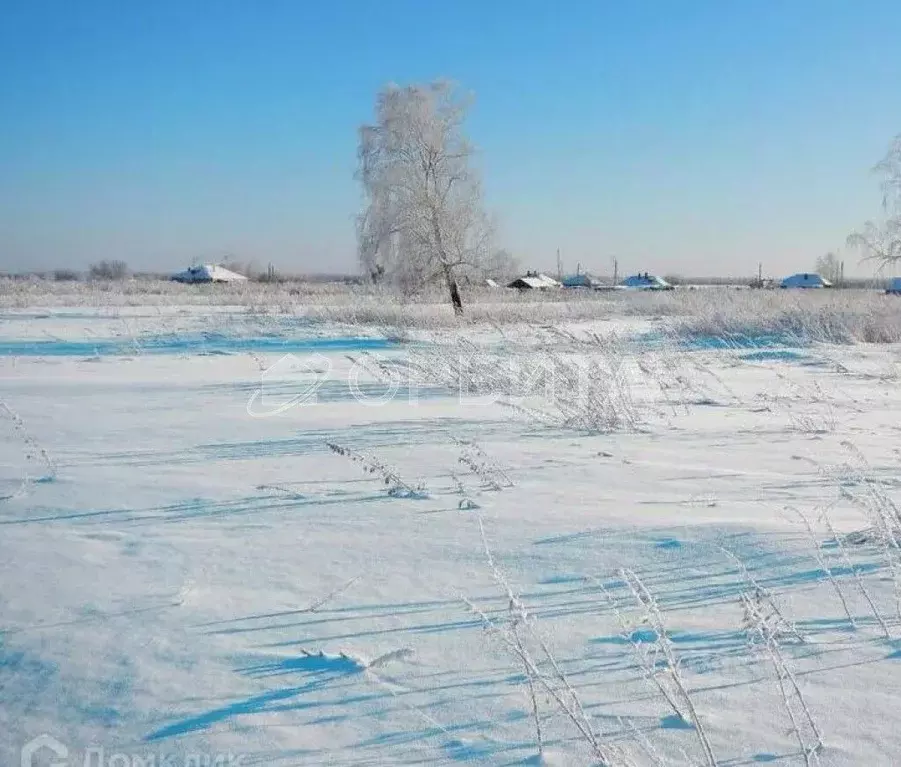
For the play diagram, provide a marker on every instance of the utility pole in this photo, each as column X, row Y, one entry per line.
column 615, row 271
column 559, row 266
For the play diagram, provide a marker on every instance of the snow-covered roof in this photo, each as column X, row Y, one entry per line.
column 646, row 281
column 579, row 281
column 549, row 282
column 534, row 280
column 806, row 280
column 208, row 273
column 527, row 282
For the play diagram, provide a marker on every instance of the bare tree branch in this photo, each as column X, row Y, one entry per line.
column 881, row 242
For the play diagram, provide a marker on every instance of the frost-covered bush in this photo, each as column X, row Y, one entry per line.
column 108, row 270
column 809, row 316
column 841, row 316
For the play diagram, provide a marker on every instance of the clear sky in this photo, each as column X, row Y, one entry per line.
column 683, row 136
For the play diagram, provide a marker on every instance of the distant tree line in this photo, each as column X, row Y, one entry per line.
column 108, row 270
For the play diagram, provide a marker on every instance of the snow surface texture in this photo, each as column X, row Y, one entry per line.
column 429, row 563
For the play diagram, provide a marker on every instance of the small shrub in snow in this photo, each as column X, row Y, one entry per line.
column 32, row 450
column 586, row 385
column 824, row 565
column 766, row 629
column 843, row 476
column 483, row 466
column 517, row 634
column 814, row 422
column 883, row 515
column 655, row 653
column 396, row 485
column 465, row 503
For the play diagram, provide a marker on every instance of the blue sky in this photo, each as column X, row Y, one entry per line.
column 692, row 137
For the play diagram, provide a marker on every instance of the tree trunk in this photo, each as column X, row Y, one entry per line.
column 454, row 291
column 448, row 272
column 455, row 297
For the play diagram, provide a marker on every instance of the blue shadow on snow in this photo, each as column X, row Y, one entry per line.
column 760, row 347
column 740, row 341
column 319, row 670
column 207, row 343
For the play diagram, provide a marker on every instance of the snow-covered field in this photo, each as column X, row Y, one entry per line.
column 384, row 551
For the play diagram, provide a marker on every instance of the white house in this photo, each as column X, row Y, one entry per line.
column 208, row 273
column 894, row 287
column 806, row 280
column 646, row 282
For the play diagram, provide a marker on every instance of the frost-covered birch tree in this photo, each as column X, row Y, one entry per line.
column 829, row 266
column 423, row 222
column 880, row 241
